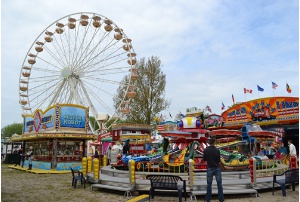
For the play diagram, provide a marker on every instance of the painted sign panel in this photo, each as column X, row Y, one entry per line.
column 56, row 117
column 72, row 117
column 270, row 110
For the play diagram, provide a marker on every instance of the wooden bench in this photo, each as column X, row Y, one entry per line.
column 290, row 177
column 166, row 182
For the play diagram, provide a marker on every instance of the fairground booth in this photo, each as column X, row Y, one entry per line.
column 58, row 136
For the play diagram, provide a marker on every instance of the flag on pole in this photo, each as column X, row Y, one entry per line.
column 161, row 118
column 274, row 85
column 181, row 114
column 260, row 88
column 233, row 99
column 223, row 106
column 170, row 115
column 288, row 88
column 247, row 91
column 208, row 109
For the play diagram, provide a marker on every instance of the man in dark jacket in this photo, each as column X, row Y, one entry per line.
column 19, row 157
column 212, row 156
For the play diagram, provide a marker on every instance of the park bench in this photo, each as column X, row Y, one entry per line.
column 290, row 177
column 166, row 182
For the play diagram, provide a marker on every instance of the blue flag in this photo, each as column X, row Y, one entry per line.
column 260, row 88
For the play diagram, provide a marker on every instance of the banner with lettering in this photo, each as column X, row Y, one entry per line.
column 269, row 110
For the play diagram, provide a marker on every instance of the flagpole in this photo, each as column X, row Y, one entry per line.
column 273, row 89
column 244, row 93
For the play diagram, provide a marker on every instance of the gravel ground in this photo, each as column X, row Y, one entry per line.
column 17, row 185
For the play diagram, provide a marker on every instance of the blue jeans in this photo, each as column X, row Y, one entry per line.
column 29, row 160
column 211, row 172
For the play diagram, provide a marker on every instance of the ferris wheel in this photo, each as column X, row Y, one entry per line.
column 81, row 59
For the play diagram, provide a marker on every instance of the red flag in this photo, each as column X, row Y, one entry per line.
column 232, row 99
column 247, row 91
column 288, row 88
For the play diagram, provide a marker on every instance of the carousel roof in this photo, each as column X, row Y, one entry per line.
column 225, row 132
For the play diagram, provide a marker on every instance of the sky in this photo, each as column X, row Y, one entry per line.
column 209, row 49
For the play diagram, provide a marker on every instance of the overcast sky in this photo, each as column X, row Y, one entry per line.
column 210, row 49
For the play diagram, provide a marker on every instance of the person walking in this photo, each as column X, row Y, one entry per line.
column 212, row 156
column 29, row 156
column 292, row 148
column 108, row 153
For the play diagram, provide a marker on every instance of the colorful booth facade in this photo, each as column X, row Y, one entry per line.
column 58, row 136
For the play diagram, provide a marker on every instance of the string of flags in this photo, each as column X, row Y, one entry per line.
column 246, row 90
column 259, row 88
column 274, row 86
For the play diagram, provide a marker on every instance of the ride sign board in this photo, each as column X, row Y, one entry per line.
column 263, row 111
column 57, row 117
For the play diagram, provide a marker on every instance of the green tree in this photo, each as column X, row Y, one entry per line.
column 9, row 130
column 150, row 92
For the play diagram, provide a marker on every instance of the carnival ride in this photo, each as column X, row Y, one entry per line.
column 81, row 58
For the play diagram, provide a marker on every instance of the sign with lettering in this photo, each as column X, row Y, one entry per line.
column 66, row 116
column 271, row 110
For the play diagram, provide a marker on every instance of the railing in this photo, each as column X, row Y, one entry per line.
column 269, row 167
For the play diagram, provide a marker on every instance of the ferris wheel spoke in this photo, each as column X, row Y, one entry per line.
column 39, row 89
column 93, row 66
column 101, row 52
column 99, row 89
column 52, row 71
column 60, row 45
column 54, row 57
column 57, row 93
column 84, row 53
column 86, row 89
column 81, row 49
column 108, row 71
column 44, row 79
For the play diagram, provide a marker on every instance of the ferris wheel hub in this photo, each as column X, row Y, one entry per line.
column 66, row 72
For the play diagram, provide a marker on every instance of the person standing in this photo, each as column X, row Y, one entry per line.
column 212, row 156
column 29, row 156
column 22, row 159
column 19, row 157
column 292, row 148
column 108, row 153
column 126, row 147
column 282, row 150
column 96, row 155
